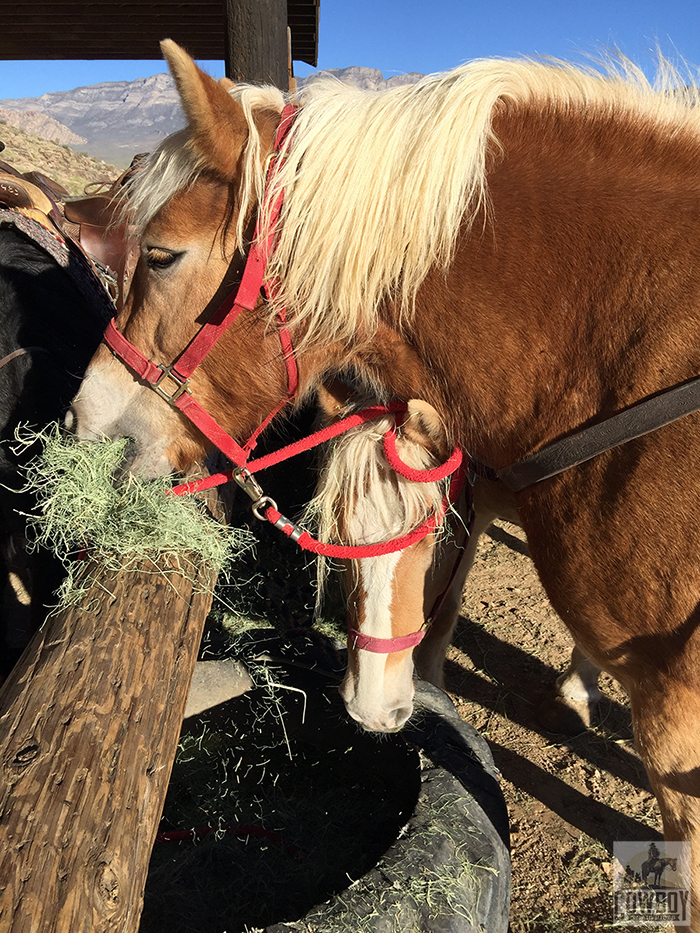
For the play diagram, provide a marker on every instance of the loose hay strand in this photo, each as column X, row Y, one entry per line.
column 80, row 508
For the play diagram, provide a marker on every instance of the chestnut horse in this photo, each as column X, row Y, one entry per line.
column 517, row 243
column 360, row 499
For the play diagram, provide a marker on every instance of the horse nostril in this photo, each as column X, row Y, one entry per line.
column 401, row 717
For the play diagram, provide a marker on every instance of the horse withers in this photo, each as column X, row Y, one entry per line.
column 517, row 243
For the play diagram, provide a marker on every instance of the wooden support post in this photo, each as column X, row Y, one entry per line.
column 256, row 41
column 89, row 724
column 290, row 64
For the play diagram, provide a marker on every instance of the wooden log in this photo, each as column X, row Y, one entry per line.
column 89, row 724
column 256, row 42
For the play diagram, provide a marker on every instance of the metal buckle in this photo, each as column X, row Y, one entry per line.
column 268, row 162
column 262, row 503
column 183, row 385
column 272, row 161
column 248, row 483
column 284, row 522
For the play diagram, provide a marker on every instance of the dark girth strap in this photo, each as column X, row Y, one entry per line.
column 646, row 416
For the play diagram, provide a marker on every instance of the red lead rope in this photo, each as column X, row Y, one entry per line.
column 266, row 508
column 291, row 450
column 340, row 551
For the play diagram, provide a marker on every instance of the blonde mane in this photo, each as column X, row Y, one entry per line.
column 378, row 185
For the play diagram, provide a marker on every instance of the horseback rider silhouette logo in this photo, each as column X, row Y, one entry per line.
column 655, row 865
column 650, row 883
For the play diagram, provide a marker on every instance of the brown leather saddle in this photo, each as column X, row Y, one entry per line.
column 16, row 191
column 92, row 221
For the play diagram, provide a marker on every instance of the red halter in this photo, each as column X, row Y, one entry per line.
column 171, row 382
column 357, row 639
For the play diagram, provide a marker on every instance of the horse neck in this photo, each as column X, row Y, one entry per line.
column 544, row 299
column 383, row 363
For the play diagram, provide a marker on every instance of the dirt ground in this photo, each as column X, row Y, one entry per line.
column 568, row 798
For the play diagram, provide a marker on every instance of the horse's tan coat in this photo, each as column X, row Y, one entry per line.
column 574, row 295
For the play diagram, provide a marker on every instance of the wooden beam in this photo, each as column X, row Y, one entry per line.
column 65, row 29
column 292, row 81
column 256, row 41
column 89, row 724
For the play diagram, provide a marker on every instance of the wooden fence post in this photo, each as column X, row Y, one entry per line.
column 256, row 41
column 89, row 724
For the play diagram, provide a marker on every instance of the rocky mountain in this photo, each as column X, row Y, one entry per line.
column 73, row 170
column 368, row 79
column 116, row 119
column 41, row 125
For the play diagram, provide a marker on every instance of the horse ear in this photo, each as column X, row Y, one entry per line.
column 424, row 426
column 333, row 397
column 218, row 128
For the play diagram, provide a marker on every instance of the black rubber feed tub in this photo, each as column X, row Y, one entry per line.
column 282, row 815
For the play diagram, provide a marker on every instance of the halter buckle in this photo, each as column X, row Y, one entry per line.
column 271, row 161
column 183, row 385
column 248, row 483
column 268, row 162
column 251, row 487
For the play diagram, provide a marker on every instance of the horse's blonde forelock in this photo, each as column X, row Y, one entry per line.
column 356, row 475
column 356, row 470
column 253, row 99
column 174, row 165
column 170, row 168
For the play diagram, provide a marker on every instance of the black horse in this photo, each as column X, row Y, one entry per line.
column 53, row 311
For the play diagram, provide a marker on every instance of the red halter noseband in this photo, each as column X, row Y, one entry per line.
column 171, row 382
column 357, row 639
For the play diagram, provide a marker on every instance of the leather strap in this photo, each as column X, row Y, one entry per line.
column 643, row 418
column 21, row 351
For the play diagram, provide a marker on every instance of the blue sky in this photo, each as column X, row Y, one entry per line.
column 397, row 36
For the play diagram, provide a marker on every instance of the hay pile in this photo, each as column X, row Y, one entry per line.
column 82, row 511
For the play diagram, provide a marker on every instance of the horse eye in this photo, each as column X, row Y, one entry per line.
column 159, row 258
